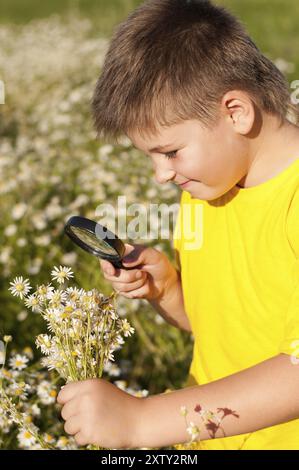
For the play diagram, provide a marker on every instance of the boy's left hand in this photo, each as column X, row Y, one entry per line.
column 97, row 412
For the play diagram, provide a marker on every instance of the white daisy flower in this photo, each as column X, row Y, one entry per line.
column 127, row 329
column 44, row 292
column 74, row 293
column 25, row 438
column 19, row 389
column 18, row 362
column 112, row 369
column 44, row 342
column 33, row 302
column 48, row 438
column 35, row 410
column 46, row 393
column 183, row 411
column 61, row 274
column 122, row 384
column 62, row 442
column 20, row 287
column 193, row 430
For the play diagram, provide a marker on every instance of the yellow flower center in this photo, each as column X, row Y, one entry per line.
column 19, row 363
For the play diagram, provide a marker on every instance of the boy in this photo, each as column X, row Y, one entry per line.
column 185, row 83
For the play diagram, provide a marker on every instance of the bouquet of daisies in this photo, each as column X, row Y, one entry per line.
column 84, row 331
column 84, row 328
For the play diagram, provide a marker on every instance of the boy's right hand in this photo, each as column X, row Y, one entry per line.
column 155, row 271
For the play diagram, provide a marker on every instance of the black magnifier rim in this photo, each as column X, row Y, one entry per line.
column 90, row 225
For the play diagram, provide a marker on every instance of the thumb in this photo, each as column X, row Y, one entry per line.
column 130, row 255
column 139, row 255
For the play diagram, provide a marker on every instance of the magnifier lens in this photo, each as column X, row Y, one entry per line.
column 96, row 239
column 90, row 238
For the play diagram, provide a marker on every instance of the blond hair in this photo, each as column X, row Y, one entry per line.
column 173, row 60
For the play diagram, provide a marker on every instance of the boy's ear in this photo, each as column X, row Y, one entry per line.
column 239, row 110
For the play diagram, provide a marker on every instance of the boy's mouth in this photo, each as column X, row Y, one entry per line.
column 183, row 185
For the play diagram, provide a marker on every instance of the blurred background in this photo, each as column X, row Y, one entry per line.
column 52, row 167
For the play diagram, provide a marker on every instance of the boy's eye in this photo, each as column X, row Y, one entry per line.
column 171, row 154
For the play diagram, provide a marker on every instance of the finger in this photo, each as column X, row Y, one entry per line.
column 138, row 293
column 131, row 254
column 80, row 439
column 72, row 425
column 69, row 409
column 127, row 287
column 141, row 255
column 107, row 267
column 67, row 392
column 121, row 275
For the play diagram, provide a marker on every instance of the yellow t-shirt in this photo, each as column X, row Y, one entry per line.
column 239, row 257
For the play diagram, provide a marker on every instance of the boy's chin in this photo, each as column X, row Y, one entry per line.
column 205, row 193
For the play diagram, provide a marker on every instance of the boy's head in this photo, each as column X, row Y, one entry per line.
column 185, row 73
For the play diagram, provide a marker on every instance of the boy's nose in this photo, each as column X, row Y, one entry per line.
column 163, row 176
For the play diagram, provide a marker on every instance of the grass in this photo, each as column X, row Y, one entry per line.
column 273, row 24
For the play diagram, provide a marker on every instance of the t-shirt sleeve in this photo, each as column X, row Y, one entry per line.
column 290, row 342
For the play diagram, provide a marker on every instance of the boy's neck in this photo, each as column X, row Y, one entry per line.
column 270, row 151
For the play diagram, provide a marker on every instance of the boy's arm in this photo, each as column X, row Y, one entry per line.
column 263, row 395
column 171, row 305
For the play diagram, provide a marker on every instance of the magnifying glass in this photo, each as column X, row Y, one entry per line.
column 96, row 239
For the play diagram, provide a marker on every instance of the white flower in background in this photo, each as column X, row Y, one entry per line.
column 105, row 150
column 10, row 230
column 112, row 369
column 46, row 393
column 28, row 352
column 38, row 221
column 122, row 384
column 5, row 254
column 69, row 258
column 61, row 274
column 48, row 438
column 34, row 267
column 19, row 210
column 22, row 315
column 35, row 410
column 20, row 287
column 62, row 442
column 19, row 389
column 43, row 240
column 21, row 242
column 284, row 66
column 18, row 362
